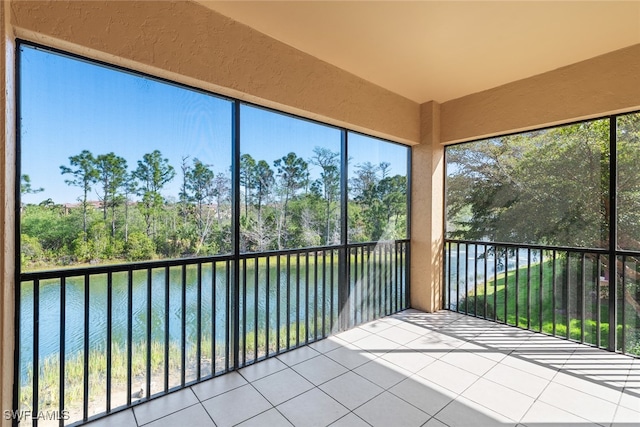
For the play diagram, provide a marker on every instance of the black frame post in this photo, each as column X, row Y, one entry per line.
column 234, row 313
column 613, row 233
column 407, row 277
column 343, row 259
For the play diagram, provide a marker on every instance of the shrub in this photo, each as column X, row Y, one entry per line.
column 469, row 304
column 139, row 247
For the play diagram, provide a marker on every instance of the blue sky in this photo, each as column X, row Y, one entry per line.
column 68, row 105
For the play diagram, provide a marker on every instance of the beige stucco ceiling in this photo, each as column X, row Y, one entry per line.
column 441, row 50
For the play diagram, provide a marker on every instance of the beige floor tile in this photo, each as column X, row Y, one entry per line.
column 215, row 386
column 484, row 351
column 236, row 406
column 542, row 413
column 400, row 335
column 376, row 344
column 350, row 358
column 498, row 398
column 626, row 418
column 435, row 344
column 121, row 419
column 578, row 403
column 465, row 413
column 387, row 409
column 419, row 329
column 518, row 380
column 327, row 344
column 298, row 355
column 313, row 408
column 408, row 359
column 320, row 369
column 594, row 388
column 631, row 399
column 353, row 335
column 423, row 394
column 382, row 373
column 191, row 416
column 282, row 386
column 351, row 390
column 433, row 422
column 530, row 367
column 270, row 418
column 350, row 420
column 469, row 361
column 165, row 405
column 262, row 369
column 376, row 326
column 448, row 376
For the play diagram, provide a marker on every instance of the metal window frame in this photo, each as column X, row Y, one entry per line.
column 231, row 260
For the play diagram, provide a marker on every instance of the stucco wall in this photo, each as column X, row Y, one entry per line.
column 606, row 84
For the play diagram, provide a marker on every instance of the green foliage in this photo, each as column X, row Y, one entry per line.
column 30, row 250
column 153, row 172
column 25, row 186
column 282, row 208
column 139, row 247
column 548, row 186
column 83, row 174
column 52, row 227
column 382, row 200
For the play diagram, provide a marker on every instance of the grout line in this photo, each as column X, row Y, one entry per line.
column 134, row 417
column 208, row 414
column 346, row 415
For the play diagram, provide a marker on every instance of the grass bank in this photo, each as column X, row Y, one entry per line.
column 531, row 297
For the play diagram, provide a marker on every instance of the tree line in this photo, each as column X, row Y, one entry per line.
column 123, row 214
column 547, row 187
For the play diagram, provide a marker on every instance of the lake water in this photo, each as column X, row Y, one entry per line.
column 214, row 301
column 472, row 268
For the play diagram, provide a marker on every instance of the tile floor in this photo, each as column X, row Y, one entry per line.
column 413, row 369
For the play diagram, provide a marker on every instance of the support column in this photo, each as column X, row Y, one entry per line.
column 427, row 212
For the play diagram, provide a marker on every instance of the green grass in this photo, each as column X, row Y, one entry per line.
column 528, row 289
column 49, row 374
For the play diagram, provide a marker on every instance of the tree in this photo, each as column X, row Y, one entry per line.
column 292, row 176
column 247, row 178
column 364, row 191
column 263, row 183
column 184, row 192
column 548, row 187
column 83, row 174
column 381, row 201
column 139, row 247
column 130, row 187
column 25, row 186
column 200, row 189
column 153, row 172
column 221, row 191
column 364, row 182
column 628, row 196
column 112, row 175
column 329, row 181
